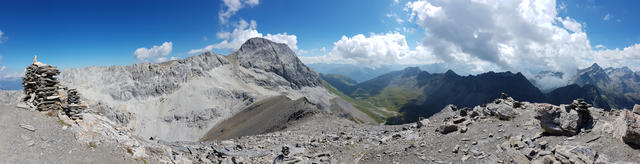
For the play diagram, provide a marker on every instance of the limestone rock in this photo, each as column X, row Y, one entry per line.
column 447, row 128
column 563, row 121
column 628, row 127
column 575, row 154
column 501, row 110
column 278, row 58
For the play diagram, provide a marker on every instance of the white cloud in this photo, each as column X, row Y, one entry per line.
column 242, row 32
column 372, row 51
column 233, row 6
column 156, row 52
column 483, row 35
column 290, row 40
column 571, row 25
column 504, row 35
column 600, row 46
column 607, row 17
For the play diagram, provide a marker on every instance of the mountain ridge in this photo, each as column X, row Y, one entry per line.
column 192, row 95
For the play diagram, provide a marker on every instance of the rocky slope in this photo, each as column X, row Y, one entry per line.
column 503, row 131
column 181, row 100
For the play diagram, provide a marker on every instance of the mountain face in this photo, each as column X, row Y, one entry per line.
column 621, row 86
column 439, row 90
column 262, row 54
column 181, row 100
column 416, row 93
column 571, row 92
column 593, row 75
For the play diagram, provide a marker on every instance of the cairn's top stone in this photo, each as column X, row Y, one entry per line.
column 278, row 58
column 36, row 62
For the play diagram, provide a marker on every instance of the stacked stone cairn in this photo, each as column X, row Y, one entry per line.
column 73, row 106
column 44, row 93
column 41, row 87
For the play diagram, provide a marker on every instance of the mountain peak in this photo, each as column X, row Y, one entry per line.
column 450, row 73
column 278, row 58
column 594, row 66
column 410, row 71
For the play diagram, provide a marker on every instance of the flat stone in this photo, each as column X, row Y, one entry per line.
column 28, row 127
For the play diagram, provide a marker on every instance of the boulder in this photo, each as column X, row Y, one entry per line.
column 566, row 121
column 447, row 128
column 636, row 109
column 627, row 128
column 575, row 154
column 422, row 122
column 502, row 110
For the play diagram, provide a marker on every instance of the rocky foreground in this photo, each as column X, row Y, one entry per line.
column 502, row 131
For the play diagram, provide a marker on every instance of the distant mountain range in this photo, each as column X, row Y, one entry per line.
column 416, row 93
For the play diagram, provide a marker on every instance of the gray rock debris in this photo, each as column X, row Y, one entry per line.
column 501, row 108
column 564, row 120
column 628, row 127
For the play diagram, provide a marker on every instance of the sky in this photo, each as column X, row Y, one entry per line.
column 470, row 36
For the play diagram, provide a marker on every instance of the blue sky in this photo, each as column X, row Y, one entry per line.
column 80, row 33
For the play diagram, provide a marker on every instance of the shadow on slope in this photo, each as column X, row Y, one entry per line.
column 265, row 116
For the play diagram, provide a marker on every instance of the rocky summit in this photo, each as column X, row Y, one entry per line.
column 260, row 104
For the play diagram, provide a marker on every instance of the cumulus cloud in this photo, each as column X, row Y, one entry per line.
column 242, row 32
column 157, row 53
column 372, row 51
column 523, row 35
column 230, row 7
column 483, row 35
